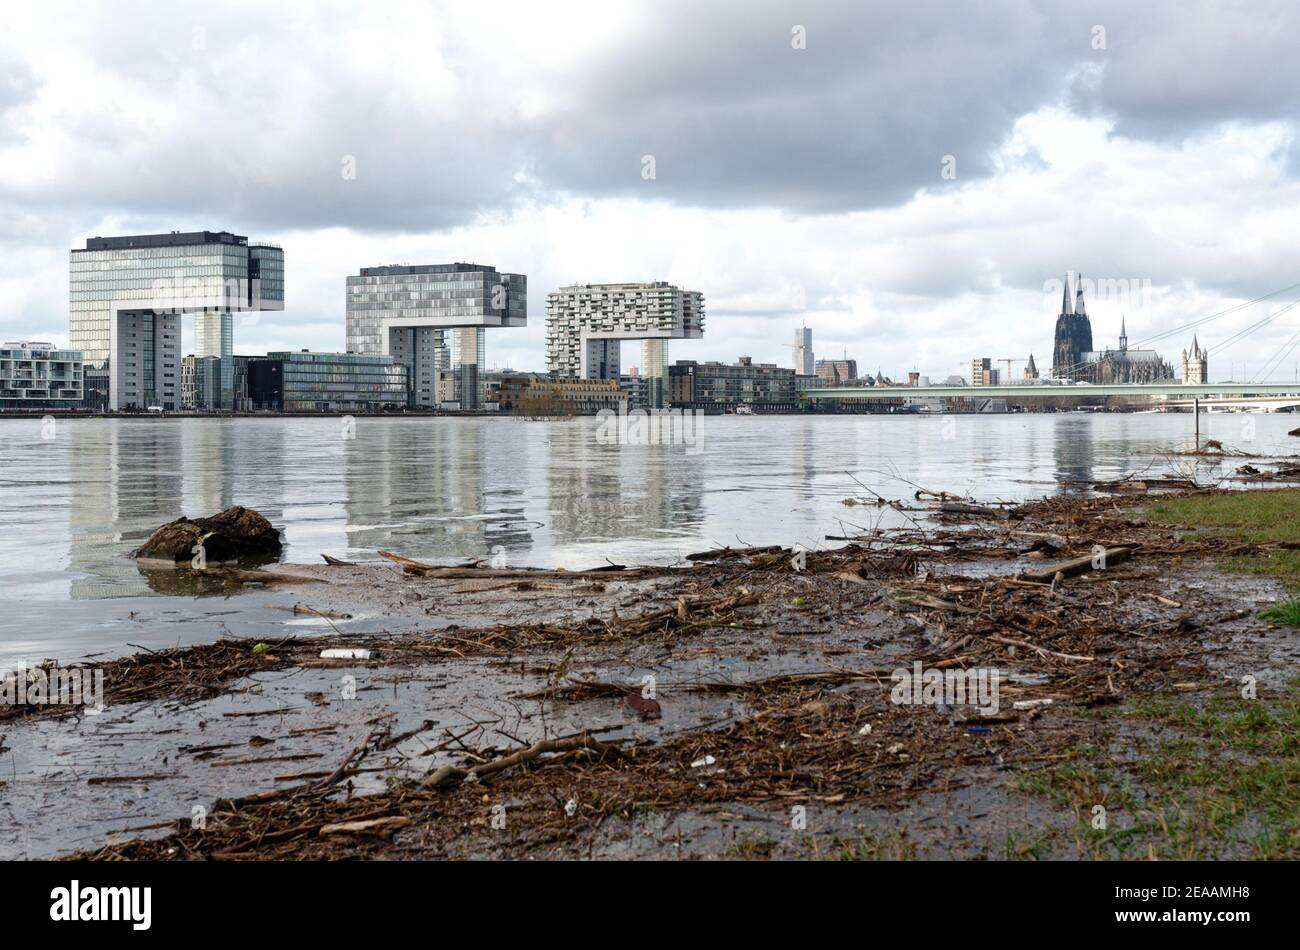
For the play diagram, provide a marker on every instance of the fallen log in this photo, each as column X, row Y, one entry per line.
column 1080, row 565
column 963, row 508
column 422, row 569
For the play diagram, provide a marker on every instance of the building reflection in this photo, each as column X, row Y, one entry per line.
column 1074, row 448
column 439, row 489
column 615, row 492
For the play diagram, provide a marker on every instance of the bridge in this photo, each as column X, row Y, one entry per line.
column 1275, row 395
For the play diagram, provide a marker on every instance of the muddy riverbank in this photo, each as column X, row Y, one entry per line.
column 745, row 705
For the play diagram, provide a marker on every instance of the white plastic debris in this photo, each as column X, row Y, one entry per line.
column 865, row 730
column 896, row 748
column 346, row 653
column 1031, row 703
column 701, row 763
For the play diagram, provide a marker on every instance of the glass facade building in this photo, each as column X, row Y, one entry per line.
column 37, row 376
column 693, row 385
column 126, row 296
column 325, row 382
column 431, row 319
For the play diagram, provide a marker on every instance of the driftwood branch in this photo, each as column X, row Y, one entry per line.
column 448, row 774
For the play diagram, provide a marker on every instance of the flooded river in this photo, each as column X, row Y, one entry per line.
column 74, row 500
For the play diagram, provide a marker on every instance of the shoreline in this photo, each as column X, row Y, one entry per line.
column 772, row 687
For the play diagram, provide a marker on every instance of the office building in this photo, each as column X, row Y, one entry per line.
column 38, row 376
column 713, row 385
column 836, row 372
column 325, row 382
column 127, row 296
column 201, row 382
column 587, row 323
column 431, row 319
column 804, row 365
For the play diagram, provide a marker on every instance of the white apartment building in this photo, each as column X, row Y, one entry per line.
column 37, row 376
column 586, row 323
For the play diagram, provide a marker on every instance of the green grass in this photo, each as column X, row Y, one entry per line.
column 1222, row 778
column 1246, row 517
column 1287, row 613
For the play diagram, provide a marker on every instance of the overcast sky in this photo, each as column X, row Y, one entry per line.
column 911, row 179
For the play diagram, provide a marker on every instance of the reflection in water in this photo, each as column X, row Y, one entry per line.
column 610, row 493
column 545, row 493
column 1072, row 444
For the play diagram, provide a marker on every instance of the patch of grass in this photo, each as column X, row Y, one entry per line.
column 1247, row 517
column 892, row 847
column 753, row 849
column 1226, row 782
column 1287, row 613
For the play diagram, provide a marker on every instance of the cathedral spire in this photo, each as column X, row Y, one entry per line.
column 1065, row 295
column 1078, row 297
column 1123, row 334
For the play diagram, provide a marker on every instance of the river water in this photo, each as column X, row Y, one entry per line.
column 75, row 499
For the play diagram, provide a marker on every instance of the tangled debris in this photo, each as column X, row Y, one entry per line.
column 1082, row 619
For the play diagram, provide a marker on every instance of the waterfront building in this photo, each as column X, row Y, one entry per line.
column 432, row 318
column 201, row 382
column 1196, row 364
column 38, row 376
column 635, row 389
column 535, row 394
column 713, row 385
column 586, row 323
column 126, row 298
column 242, row 402
column 836, row 372
column 326, row 382
column 982, row 372
column 804, row 364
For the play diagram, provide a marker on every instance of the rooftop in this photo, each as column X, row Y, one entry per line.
column 171, row 239
column 393, row 270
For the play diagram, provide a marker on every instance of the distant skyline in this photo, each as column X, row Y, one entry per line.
column 802, row 162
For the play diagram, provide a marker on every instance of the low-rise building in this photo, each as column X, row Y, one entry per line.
column 836, row 372
column 713, row 385
column 326, row 382
column 37, row 376
column 534, row 394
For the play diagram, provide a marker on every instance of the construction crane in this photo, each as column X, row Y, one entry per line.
column 1009, row 360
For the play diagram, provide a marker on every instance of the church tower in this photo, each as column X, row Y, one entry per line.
column 1073, row 333
column 1196, row 364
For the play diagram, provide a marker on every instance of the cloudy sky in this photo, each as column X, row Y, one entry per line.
column 912, row 179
